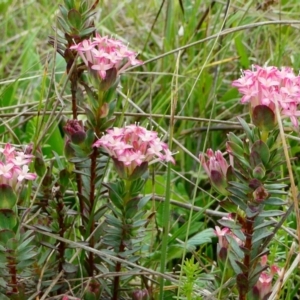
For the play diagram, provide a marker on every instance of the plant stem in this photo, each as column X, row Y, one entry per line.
column 248, row 230
column 118, row 269
column 62, row 245
column 13, row 274
column 74, row 86
column 91, row 227
column 123, row 237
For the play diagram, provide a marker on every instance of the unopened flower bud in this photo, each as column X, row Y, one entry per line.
column 75, row 130
column 140, row 295
column 260, row 194
column 259, row 172
column 216, row 168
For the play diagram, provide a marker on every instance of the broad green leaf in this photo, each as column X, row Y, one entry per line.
column 75, row 18
column 201, row 238
column 8, row 219
column 8, row 198
column 262, row 149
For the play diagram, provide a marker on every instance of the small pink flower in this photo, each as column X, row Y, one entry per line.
column 14, row 167
column 221, row 234
column 264, row 283
column 8, row 151
column 24, row 174
column 6, row 170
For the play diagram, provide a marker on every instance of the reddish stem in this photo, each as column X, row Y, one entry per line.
column 13, row 274
column 248, row 231
column 93, row 158
column 118, row 269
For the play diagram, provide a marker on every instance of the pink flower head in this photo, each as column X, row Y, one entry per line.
column 14, row 166
column 215, row 166
column 264, row 283
column 133, row 145
column 265, row 85
column 102, row 54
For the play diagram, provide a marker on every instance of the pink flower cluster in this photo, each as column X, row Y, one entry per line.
column 264, row 283
column 265, row 85
column 14, row 167
column 103, row 53
column 132, row 145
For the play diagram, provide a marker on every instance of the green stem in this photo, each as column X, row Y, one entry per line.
column 166, row 218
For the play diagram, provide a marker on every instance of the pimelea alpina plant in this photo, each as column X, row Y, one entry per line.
column 16, row 253
column 131, row 148
column 249, row 181
column 94, row 65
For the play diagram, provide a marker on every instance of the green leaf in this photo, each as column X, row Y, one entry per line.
column 238, row 192
column 86, row 31
column 234, row 246
column 242, row 51
column 274, row 201
column 26, row 255
column 8, row 219
column 228, row 206
column 262, row 235
column 62, row 24
column 201, row 238
column 247, row 129
column 43, row 228
column 235, row 148
column 69, row 4
column 63, row 11
column 74, row 18
column 25, row 263
column 112, row 220
column 271, row 213
column 231, row 224
column 262, row 149
column 275, row 186
column 143, row 201
column 239, row 234
column 264, row 224
column 69, row 268
column 232, row 259
column 8, row 198
column 237, row 201
column 252, row 211
column 6, row 235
